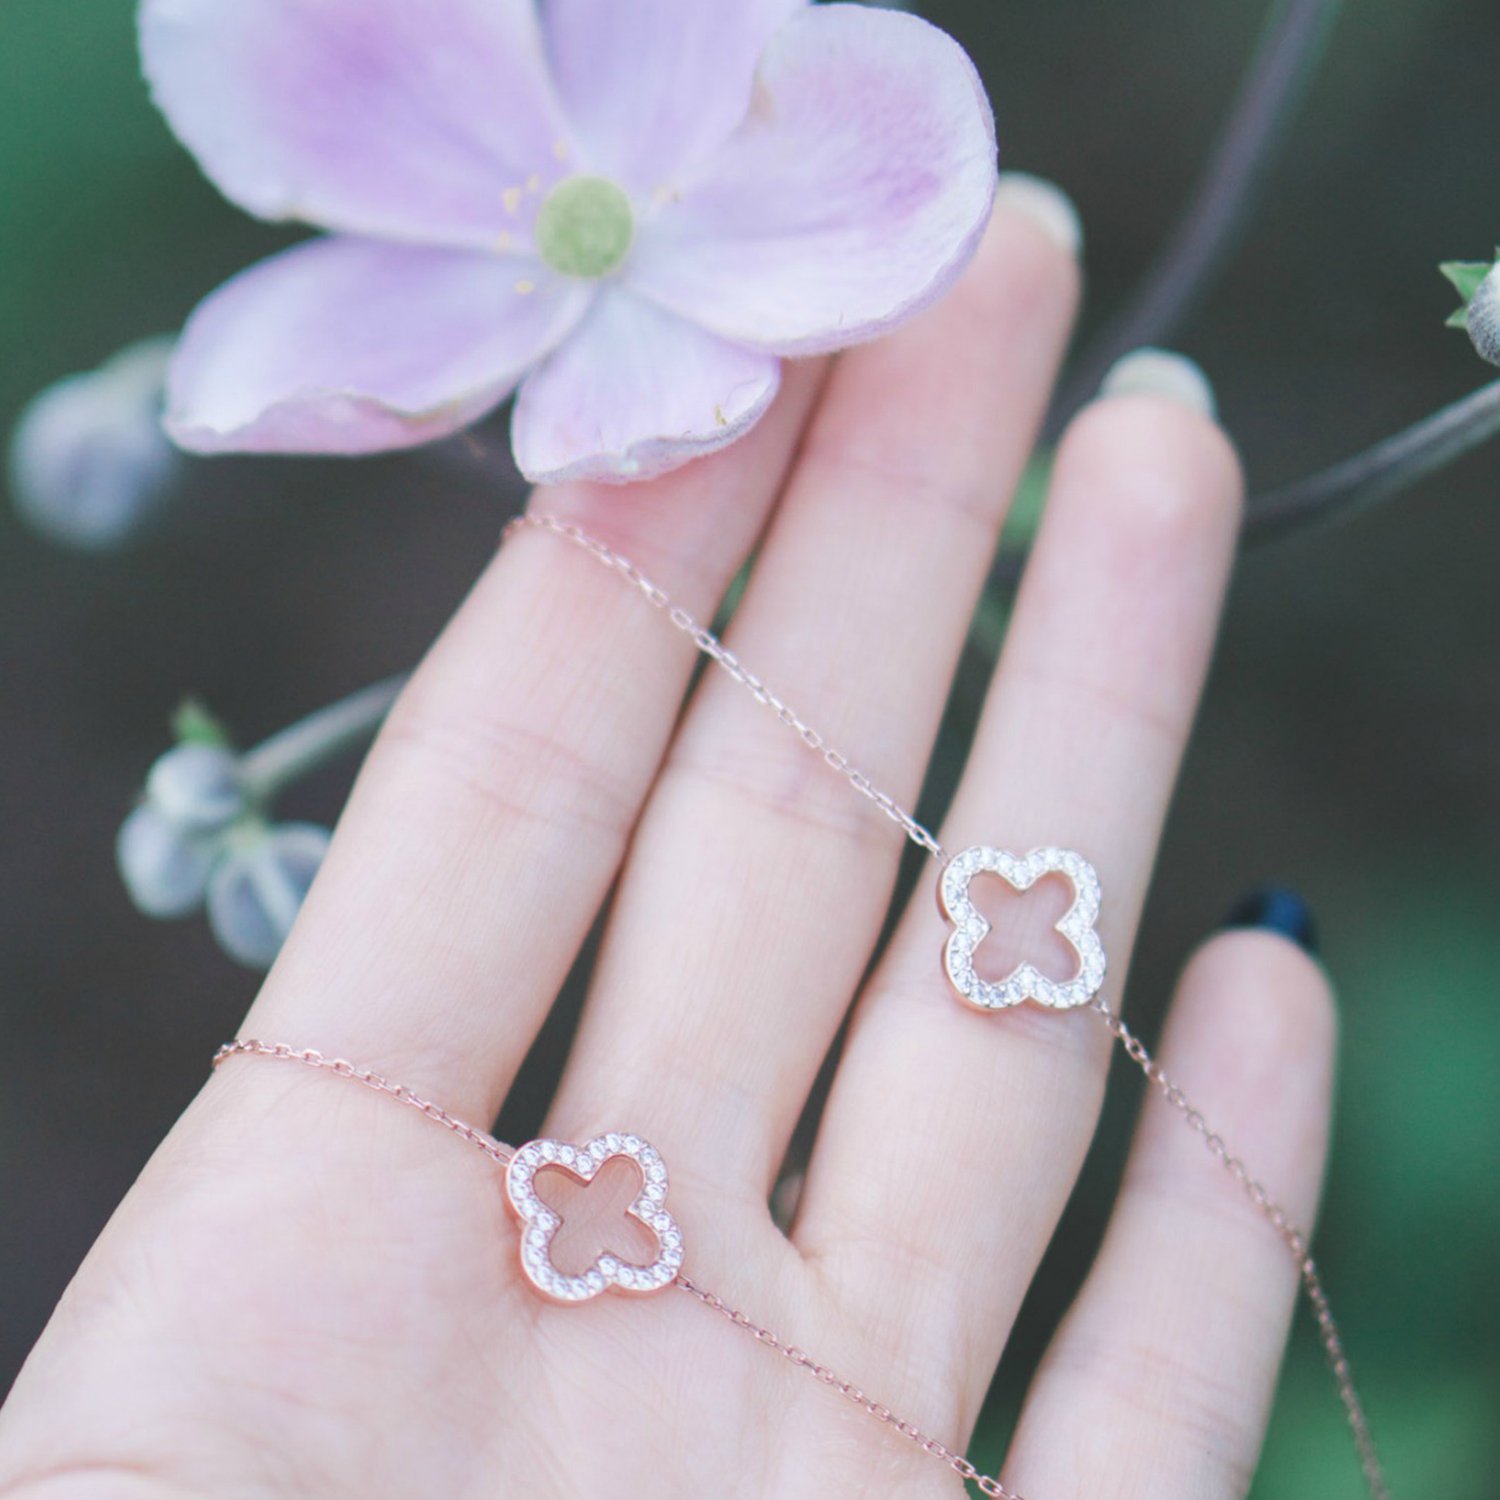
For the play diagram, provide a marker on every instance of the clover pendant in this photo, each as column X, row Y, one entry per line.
column 539, row 1223
column 970, row 928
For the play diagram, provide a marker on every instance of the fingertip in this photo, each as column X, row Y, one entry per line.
column 1026, row 281
column 1153, row 490
column 1160, row 372
column 1024, row 248
column 1044, row 205
column 951, row 400
column 1170, row 401
column 1259, row 1011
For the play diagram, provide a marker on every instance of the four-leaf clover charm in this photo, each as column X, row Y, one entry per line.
column 539, row 1223
column 970, row 928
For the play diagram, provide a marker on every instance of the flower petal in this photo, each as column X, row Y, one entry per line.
column 257, row 890
column 636, row 392
column 165, row 868
column 853, row 194
column 654, row 85
column 386, row 117
column 346, row 345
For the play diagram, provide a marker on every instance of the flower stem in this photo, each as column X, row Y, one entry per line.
column 1379, row 472
column 321, row 737
column 1291, row 46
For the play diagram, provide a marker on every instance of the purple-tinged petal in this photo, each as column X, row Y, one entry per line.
column 853, row 194
column 636, row 392
column 418, row 120
column 652, row 86
column 346, row 345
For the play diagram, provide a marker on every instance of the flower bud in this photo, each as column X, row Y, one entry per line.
column 1484, row 317
column 89, row 461
column 256, row 890
column 165, row 867
column 196, row 787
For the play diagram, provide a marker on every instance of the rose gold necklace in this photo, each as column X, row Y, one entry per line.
column 539, row 1223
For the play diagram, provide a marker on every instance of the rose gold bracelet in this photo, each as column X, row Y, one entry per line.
column 539, row 1224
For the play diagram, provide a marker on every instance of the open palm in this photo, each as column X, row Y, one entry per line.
column 313, row 1292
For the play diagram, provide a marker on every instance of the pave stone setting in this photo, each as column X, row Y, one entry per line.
column 970, row 928
column 539, row 1224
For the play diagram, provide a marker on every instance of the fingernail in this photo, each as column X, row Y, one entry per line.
column 1159, row 372
column 1276, row 908
column 1045, row 204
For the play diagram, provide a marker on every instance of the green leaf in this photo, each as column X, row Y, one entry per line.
column 194, row 724
column 1459, row 319
column 1466, row 275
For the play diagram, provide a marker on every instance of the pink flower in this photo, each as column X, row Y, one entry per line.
column 629, row 209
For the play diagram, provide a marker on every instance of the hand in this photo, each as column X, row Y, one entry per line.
column 313, row 1292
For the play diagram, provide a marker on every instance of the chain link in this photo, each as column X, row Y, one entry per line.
column 1294, row 1239
column 851, row 1392
column 279, row 1051
column 718, row 653
column 1279, row 1220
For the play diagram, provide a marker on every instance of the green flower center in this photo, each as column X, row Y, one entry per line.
column 584, row 227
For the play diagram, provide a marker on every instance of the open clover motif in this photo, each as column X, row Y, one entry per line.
column 970, row 928
column 539, row 1224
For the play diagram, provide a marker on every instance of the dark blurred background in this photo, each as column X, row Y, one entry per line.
column 1347, row 745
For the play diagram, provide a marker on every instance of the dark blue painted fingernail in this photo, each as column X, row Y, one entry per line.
column 1277, row 909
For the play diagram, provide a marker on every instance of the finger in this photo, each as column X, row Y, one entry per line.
column 980, row 1121
column 494, row 808
column 758, row 874
column 1160, row 1380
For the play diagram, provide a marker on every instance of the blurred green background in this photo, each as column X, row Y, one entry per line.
column 1347, row 745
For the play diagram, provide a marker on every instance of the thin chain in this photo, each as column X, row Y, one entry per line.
column 717, row 652
column 1294, row 1239
column 249, row 1047
column 499, row 1152
column 851, row 1392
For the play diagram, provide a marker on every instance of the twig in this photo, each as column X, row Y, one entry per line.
column 1379, row 472
column 1291, row 47
column 315, row 740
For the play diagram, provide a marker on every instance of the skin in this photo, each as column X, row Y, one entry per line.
column 312, row 1292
